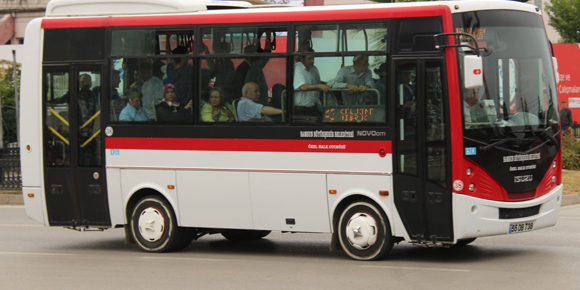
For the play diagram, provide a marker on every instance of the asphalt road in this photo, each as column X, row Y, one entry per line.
column 36, row 257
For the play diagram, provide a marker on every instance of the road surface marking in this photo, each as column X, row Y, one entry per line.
column 185, row 259
column 20, row 225
column 35, row 254
column 417, row 268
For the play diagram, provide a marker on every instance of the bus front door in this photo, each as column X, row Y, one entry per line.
column 74, row 175
column 422, row 151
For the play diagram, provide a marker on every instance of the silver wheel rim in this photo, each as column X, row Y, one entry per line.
column 361, row 231
column 151, row 224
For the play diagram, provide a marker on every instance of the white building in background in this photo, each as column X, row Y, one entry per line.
column 14, row 16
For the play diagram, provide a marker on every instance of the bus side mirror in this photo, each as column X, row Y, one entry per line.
column 472, row 71
column 556, row 72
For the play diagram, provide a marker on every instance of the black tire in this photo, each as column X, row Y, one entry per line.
column 154, row 226
column 464, row 242
column 244, row 235
column 186, row 239
column 364, row 231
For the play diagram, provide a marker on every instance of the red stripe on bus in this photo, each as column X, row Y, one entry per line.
column 245, row 17
column 250, row 145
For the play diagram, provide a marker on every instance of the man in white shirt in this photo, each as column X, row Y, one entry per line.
column 249, row 110
column 307, row 86
column 152, row 89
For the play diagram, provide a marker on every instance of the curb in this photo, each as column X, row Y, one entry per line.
column 17, row 199
column 570, row 199
column 12, row 198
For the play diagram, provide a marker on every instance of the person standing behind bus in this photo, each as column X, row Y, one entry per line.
column 307, row 86
column 357, row 78
column 565, row 116
column 133, row 112
column 249, row 110
column 179, row 73
column 152, row 89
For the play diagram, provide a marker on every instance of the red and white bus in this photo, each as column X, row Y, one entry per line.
column 452, row 135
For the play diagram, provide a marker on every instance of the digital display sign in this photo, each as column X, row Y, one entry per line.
column 354, row 114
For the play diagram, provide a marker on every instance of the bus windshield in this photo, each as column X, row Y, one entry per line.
column 519, row 92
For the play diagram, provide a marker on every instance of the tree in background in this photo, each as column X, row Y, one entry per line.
column 564, row 18
column 8, row 107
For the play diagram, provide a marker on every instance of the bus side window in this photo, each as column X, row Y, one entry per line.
column 263, row 63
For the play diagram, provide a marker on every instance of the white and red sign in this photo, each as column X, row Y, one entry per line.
column 568, row 56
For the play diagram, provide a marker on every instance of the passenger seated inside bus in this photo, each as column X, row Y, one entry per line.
column 170, row 109
column 249, row 110
column 133, row 111
column 217, row 109
column 357, row 78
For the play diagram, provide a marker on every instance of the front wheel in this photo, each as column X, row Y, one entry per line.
column 154, row 226
column 364, row 231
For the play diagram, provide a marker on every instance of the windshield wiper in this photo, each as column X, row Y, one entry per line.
column 495, row 144
column 542, row 133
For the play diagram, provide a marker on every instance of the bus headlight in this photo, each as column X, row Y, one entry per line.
column 472, row 187
column 555, row 164
column 469, row 171
column 554, row 179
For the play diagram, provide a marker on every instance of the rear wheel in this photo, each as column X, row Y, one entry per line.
column 154, row 226
column 364, row 231
column 244, row 235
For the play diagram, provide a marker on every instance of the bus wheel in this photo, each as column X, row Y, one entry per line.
column 464, row 242
column 154, row 225
column 364, row 232
column 244, row 235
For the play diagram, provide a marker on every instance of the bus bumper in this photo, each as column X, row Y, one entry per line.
column 475, row 217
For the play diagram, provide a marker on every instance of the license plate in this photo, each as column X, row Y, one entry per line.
column 521, row 227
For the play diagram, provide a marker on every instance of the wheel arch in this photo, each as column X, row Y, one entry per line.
column 345, row 200
column 139, row 193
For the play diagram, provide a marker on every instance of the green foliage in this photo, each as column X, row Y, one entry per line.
column 8, row 106
column 564, row 18
column 570, row 152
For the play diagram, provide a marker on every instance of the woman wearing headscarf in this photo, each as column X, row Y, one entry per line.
column 217, row 110
column 170, row 110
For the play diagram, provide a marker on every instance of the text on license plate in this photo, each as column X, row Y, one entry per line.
column 521, row 227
